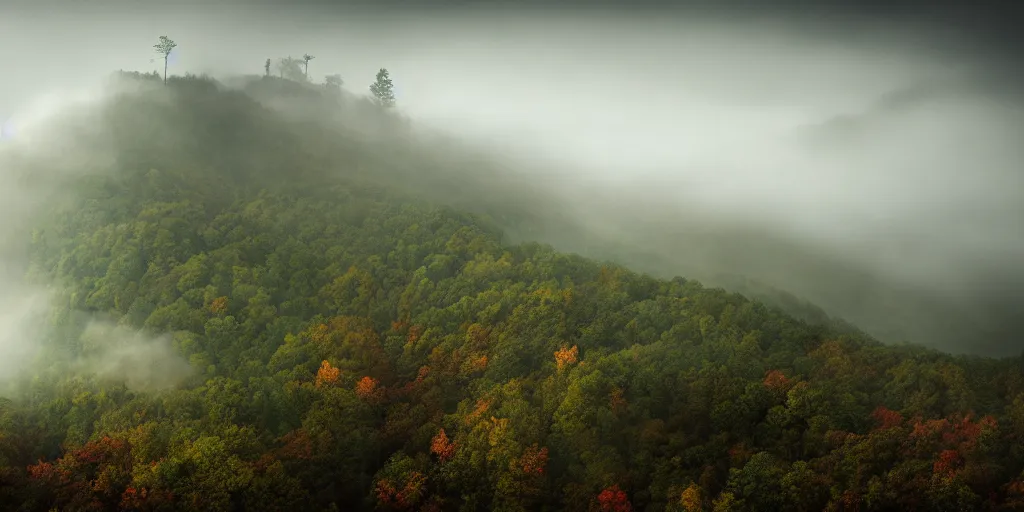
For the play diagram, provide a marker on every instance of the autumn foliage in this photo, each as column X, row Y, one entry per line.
column 478, row 410
column 691, row 499
column 887, row 418
column 534, row 460
column 776, row 381
column 98, row 472
column 565, row 357
column 414, row 333
column 327, row 374
column 133, row 498
column 219, row 305
column 613, row 499
column 402, row 495
column 366, row 388
column 947, row 464
column 48, row 472
column 441, row 446
column 477, row 364
column 296, row 445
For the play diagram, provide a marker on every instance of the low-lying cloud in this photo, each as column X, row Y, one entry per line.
column 30, row 342
column 56, row 144
column 858, row 163
column 142, row 362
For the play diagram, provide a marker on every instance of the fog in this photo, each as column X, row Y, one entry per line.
column 889, row 152
column 54, row 141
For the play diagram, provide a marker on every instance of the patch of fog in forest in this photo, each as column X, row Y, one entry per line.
column 56, row 142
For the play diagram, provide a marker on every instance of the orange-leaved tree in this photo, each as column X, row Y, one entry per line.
column 564, row 357
column 327, row 374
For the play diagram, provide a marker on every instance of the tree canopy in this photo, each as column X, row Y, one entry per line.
column 353, row 346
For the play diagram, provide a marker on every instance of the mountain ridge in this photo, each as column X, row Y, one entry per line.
column 353, row 344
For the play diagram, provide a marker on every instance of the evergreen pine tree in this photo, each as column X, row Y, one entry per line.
column 383, row 89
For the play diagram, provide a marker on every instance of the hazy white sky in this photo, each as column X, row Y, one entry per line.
column 718, row 107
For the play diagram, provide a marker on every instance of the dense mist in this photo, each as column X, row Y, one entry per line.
column 871, row 168
column 56, row 142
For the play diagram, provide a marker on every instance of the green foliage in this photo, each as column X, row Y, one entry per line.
column 357, row 349
column 164, row 47
column 383, row 89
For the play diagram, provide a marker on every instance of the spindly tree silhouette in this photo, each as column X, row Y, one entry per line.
column 164, row 47
column 305, row 59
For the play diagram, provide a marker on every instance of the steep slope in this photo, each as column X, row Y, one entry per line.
column 353, row 345
column 660, row 228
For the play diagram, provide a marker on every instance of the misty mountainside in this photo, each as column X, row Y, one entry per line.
column 648, row 229
column 267, row 296
column 652, row 228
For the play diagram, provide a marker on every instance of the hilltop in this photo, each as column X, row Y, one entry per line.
column 297, row 301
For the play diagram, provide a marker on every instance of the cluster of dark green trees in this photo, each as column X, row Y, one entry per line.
column 355, row 347
column 291, row 68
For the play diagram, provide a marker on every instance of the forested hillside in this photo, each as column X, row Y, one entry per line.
column 341, row 342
